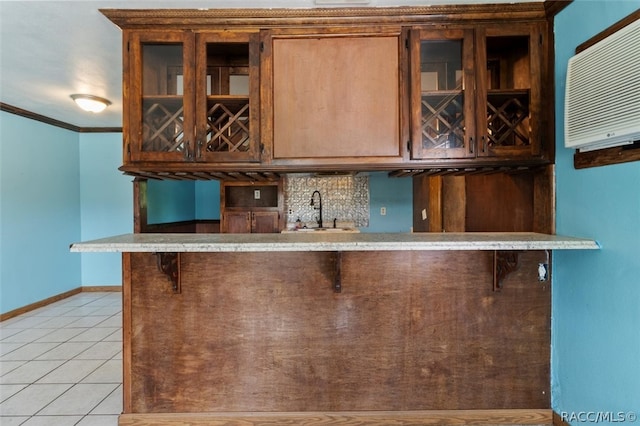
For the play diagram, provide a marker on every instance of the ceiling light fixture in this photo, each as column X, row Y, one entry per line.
column 91, row 103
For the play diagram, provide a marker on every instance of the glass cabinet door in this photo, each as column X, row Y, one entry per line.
column 509, row 89
column 161, row 89
column 442, row 86
column 227, row 87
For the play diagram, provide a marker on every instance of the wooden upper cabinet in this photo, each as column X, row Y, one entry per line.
column 334, row 96
column 476, row 92
column 442, row 95
column 509, row 94
column 227, row 101
column 209, row 93
column 192, row 96
column 158, row 97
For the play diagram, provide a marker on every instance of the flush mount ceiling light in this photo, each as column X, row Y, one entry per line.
column 91, row 103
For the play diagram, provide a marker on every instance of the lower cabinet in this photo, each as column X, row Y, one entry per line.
column 251, row 222
column 249, row 207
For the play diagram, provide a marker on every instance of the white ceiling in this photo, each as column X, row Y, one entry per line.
column 51, row 49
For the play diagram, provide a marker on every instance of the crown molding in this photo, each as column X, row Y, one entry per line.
column 276, row 17
column 56, row 123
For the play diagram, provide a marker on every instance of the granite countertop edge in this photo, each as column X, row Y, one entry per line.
column 333, row 242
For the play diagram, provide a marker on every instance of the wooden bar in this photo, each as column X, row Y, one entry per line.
column 266, row 332
column 258, row 333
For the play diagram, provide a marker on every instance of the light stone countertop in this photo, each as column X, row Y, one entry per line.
column 318, row 241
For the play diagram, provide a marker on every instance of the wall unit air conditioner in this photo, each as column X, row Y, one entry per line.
column 602, row 107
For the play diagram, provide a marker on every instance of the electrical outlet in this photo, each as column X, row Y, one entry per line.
column 256, row 194
column 383, row 211
column 543, row 272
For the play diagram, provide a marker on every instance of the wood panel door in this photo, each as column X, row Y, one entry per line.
column 250, row 222
column 265, row 222
column 236, row 222
column 335, row 97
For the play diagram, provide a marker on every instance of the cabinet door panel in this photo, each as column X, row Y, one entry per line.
column 236, row 222
column 336, row 97
column 160, row 116
column 227, row 96
column 509, row 100
column 441, row 99
column 264, row 222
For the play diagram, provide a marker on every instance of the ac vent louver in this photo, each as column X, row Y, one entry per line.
column 602, row 107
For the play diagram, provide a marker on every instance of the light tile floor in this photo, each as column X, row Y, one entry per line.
column 61, row 365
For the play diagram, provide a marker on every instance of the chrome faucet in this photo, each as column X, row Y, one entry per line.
column 313, row 196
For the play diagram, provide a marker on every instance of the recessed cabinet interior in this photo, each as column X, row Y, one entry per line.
column 476, row 92
column 518, row 201
column 192, row 97
column 251, row 207
column 335, row 95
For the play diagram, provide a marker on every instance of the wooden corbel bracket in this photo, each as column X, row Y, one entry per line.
column 504, row 262
column 169, row 264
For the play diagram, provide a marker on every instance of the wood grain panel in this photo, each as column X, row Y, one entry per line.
column 420, row 418
column 409, row 331
column 499, row 203
column 454, row 200
column 336, row 97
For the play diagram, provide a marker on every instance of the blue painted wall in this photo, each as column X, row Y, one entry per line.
column 175, row 201
column 596, row 295
column 208, row 200
column 40, row 192
column 396, row 195
column 170, row 201
column 106, row 204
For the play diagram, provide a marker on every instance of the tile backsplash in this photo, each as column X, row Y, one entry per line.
column 344, row 197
